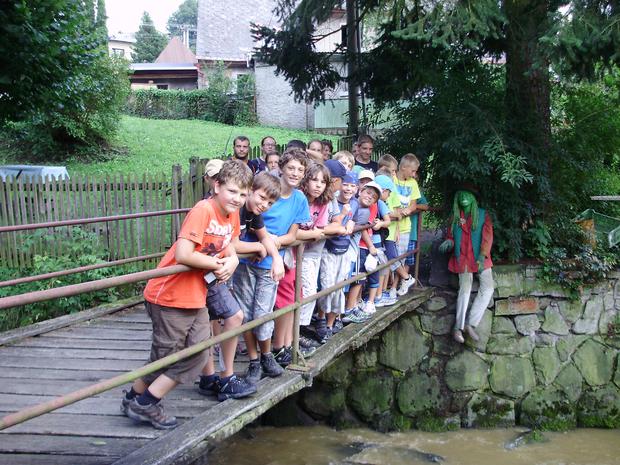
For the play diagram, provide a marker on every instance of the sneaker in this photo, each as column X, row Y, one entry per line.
column 458, row 336
column 471, row 333
column 328, row 334
column 337, row 327
column 385, row 301
column 254, row 372
column 369, row 308
column 393, row 295
column 307, row 352
column 284, row 356
column 125, row 402
column 404, row 286
column 305, row 341
column 209, row 385
column 355, row 316
column 270, row 367
column 321, row 329
column 151, row 413
column 235, row 388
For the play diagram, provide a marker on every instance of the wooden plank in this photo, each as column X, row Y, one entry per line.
column 14, row 250
column 66, row 320
column 36, row 459
column 94, row 333
column 70, row 363
column 22, row 218
column 87, row 354
column 42, row 373
column 64, row 343
column 134, row 326
column 52, row 387
column 6, row 251
column 61, row 445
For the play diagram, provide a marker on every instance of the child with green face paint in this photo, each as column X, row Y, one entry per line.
column 470, row 237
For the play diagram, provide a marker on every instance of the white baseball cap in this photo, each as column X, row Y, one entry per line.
column 366, row 174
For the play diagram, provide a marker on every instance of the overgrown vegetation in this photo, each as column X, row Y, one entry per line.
column 80, row 248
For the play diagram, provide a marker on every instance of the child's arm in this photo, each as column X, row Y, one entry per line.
column 349, row 227
column 250, row 248
column 277, row 264
column 411, row 208
column 288, row 238
column 382, row 223
column 313, row 234
column 186, row 254
column 228, row 263
column 368, row 240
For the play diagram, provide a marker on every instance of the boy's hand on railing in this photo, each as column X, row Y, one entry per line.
column 277, row 269
column 227, row 267
column 372, row 250
column 261, row 252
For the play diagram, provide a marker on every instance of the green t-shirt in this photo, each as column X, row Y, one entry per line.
column 393, row 202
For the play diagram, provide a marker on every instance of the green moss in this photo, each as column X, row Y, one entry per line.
column 491, row 413
column 432, row 423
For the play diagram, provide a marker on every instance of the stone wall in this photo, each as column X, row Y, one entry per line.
column 542, row 361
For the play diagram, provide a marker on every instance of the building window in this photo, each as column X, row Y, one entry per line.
column 162, row 86
column 118, row 52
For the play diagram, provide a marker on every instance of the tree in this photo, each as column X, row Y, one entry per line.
column 428, row 54
column 149, row 41
column 185, row 18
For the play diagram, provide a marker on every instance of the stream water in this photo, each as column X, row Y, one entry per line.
column 320, row 445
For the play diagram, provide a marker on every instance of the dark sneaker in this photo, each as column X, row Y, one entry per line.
column 284, row 356
column 151, row 413
column 305, row 342
column 124, row 402
column 321, row 329
column 269, row 365
column 209, row 385
column 235, row 388
column 328, row 334
column 338, row 326
column 254, row 372
column 307, row 352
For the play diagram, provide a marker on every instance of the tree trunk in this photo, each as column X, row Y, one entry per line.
column 527, row 74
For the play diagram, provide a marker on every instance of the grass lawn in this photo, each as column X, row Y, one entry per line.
column 153, row 146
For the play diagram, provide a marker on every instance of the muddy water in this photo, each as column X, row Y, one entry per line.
column 323, row 446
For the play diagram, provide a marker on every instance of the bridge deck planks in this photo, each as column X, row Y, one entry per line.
column 93, row 431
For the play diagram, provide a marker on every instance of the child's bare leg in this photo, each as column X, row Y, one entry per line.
column 228, row 347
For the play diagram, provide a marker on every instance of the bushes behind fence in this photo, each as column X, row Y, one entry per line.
column 205, row 104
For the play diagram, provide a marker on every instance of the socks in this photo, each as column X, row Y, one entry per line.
column 131, row 394
column 147, row 398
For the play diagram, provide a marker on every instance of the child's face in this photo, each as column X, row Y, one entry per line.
column 272, row 162
column 393, row 167
column 335, row 185
column 363, row 182
column 407, row 171
column 368, row 196
column 347, row 190
column 326, row 152
column 293, row 173
column 230, row 196
column 346, row 163
column 258, row 201
column 316, row 185
column 385, row 194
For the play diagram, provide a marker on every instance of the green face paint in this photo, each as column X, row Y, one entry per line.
column 465, row 200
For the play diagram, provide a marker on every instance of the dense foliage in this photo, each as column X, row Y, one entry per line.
column 149, row 41
column 59, row 89
column 185, row 18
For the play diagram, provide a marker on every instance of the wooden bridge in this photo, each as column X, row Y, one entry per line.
column 53, row 358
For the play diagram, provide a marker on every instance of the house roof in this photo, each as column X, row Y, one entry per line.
column 162, row 66
column 176, row 52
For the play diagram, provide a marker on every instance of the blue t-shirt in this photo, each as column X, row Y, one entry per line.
column 340, row 244
column 284, row 213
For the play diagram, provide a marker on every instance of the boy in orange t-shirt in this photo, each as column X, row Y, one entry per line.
column 176, row 303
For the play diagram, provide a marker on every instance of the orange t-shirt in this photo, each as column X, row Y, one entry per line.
column 211, row 232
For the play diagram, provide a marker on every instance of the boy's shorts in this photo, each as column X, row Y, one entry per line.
column 256, row 293
column 391, row 251
column 373, row 279
column 286, row 289
column 175, row 329
column 220, row 301
column 410, row 260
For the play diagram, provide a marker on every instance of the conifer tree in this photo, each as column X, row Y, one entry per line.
column 149, row 41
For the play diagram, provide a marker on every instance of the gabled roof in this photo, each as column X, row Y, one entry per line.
column 176, row 52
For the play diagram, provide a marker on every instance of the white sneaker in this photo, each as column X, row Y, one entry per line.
column 404, row 286
column 369, row 308
column 393, row 295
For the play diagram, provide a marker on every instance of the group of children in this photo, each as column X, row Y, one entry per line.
column 350, row 219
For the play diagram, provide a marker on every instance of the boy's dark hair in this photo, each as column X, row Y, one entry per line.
column 385, row 160
column 237, row 172
column 311, row 172
column 295, row 143
column 294, row 153
column 267, row 182
column 272, row 154
column 365, row 139
column 328, row 143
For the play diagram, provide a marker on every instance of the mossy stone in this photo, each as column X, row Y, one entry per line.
column 546, row 364
column 508, row 282
column 617, row 375
column 418, row 393
column 366, row 357
column 548, row 408
column 595, row 362
column 403, row 346
column 554, row 323
column 466, row 372
column 527, row 325
column 435, row 424
column 436, row 324
column 599, row 408
column 565, row 346
column 484, row 332
column 489, row 411
column 445, row 345
column 570, row 381
column 505, row 344
column 512, row 376
column 339, row 371
column 571, row 310
column 371, row 393
column 588, row 323
column 434, row 304
column 503, row 325
column 324, row 401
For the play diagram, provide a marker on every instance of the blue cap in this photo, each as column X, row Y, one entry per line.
column 385, row 182
column 350, row 178
column 336, row 169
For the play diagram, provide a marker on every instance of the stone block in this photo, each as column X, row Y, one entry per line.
column 516, row 306
column 595, row 362
column 420, row 393
column 403, row 345
column 504, row 344
column 323, row 401
column 607, row 317
column 548, row 408
column 554, row 323
column 437, row 325
column 571, row 310
column 599, row 408
column 617, row 375
column 544, row 340
column 508, row 282
column 366, row 357
column 546, row 364
column 503, row 325
column 435, row 304
column 570, row 381
column 527, row 325
column 489, row 411
column 608, row 300
column 339, row 372
column 371, row 393
column 466, row 372
column 512, row 376
column 565, row 346
column 445, row 345
column 483, row 330
column 588, row 323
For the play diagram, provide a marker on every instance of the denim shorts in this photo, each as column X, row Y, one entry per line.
column 373, row 279
column 220, row 302
column 391, row 251
column 256, row 293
